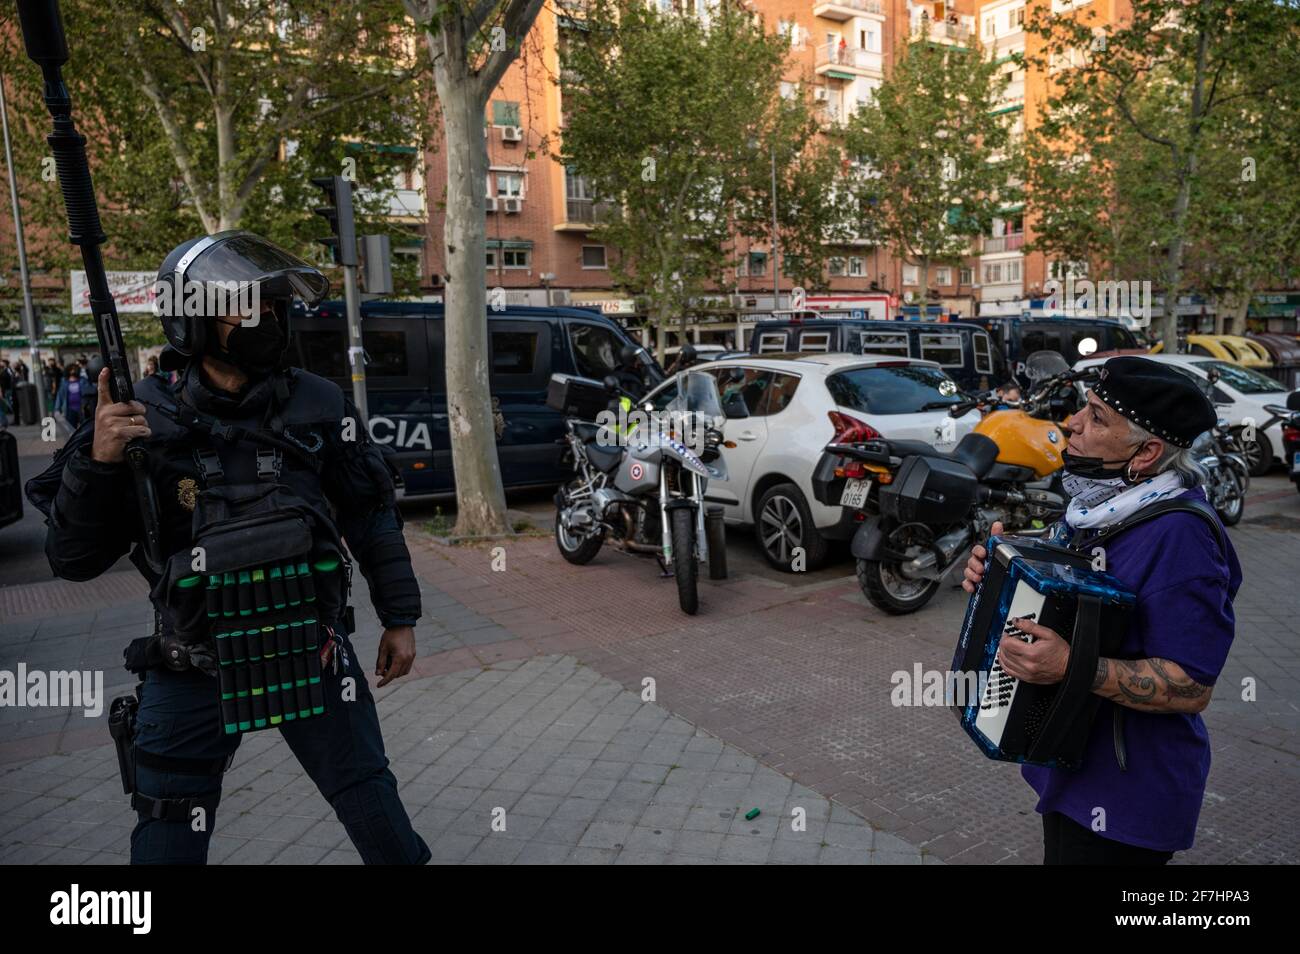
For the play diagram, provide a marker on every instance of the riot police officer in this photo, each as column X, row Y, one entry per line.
column 245, row 454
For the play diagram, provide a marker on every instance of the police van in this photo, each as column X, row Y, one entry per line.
column 406, row 386
column 966, row 352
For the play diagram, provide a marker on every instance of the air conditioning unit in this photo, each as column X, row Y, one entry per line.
column 820, row 94
column 512, row 133
column 736, row 301
column 559, row 297
column 491, row 203
column 513, row 204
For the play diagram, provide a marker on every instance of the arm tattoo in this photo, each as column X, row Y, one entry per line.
column 1151, row 685
column 1103, row 670
column 1178, row 688
column 1136, row 686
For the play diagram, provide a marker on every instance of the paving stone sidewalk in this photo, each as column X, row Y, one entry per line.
column 579, row 769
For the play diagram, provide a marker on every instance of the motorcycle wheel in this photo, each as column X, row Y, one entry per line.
column 890, row 591
column 577, row 549
column 681, row 524
column 1230, row 513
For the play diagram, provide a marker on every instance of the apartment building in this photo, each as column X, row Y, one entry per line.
column 542, row 248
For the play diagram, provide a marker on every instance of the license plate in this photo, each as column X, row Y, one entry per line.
column 855, row 494
column 1295, row 463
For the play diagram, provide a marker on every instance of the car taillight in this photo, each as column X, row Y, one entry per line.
column 849, row 430
column 1291, row 433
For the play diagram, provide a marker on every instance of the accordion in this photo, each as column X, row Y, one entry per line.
column 1055, row 587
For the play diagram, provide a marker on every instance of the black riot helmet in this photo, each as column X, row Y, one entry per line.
column 218, row 277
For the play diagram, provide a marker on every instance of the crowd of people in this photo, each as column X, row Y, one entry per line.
column 70, row 389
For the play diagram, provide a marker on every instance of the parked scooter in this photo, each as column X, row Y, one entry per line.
column 922, row 508
column 1219, row 451
column 640, row 479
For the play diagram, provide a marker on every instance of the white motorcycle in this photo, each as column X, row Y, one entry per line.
column 640, row 476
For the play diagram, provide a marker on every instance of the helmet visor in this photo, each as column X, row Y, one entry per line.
column 244, row 257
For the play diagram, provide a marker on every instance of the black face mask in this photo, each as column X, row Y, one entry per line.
column 1094, row 468
column 257, row 349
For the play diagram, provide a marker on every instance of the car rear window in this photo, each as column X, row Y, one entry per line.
column 892, row 389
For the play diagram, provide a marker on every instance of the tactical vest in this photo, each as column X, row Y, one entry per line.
column 265, row 575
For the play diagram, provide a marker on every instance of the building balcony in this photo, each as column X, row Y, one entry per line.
column 960, row 33
column 848, row 9
column 1013, row 242
column 848, row 61
column 582, row 215
column 396, row 203
column 1013, row 95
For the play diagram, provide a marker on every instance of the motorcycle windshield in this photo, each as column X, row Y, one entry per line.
column 1042, row 365
column 697, row 393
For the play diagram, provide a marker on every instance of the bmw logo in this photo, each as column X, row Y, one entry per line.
column 1053, row 436
column 947, row 388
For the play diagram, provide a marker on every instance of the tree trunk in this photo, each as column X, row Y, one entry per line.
column 924, row 313
column 480, row 500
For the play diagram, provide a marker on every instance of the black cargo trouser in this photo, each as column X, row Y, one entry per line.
column 342, row 751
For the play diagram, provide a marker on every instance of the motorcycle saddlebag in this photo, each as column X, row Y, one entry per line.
column 931, row 490
column 573, row 396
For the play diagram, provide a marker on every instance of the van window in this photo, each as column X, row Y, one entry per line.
column 385, row 353
column 595, row 350
column 514, row 352
column 983, row 353
column 1124, row 338
column 323, row 352
column 771, row 342
column 885, row 342
column 945, row 349
column 815, row 341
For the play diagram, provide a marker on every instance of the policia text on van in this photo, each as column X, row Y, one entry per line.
column 406, row 385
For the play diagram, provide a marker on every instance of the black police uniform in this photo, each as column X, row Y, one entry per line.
column 321, row 454
column 93, row 523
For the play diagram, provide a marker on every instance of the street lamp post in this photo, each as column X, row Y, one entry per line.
column 776, row 242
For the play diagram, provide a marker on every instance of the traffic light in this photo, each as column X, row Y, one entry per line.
column 338, row 213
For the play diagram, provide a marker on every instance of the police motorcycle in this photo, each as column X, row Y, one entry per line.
column 640, row 478
column 922, row 508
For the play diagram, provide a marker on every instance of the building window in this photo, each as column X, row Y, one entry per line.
column 857, row 267
column 515, row 257
column 943, row 276
column 993, row 273
column 836, row 266
column 510, row 185
column 988, row 27
column 1018, row 17
column 492, row 259
column 966, row 276
column 1013, row 271
column 593, row 256
column 757, row 263
column 911, row 275
column 505, row 113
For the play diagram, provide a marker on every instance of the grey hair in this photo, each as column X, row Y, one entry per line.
column 1185, row 460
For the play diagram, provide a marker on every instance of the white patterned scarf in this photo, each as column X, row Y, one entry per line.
column 1101, row 503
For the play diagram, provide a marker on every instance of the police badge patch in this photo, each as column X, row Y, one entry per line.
column 186, row 490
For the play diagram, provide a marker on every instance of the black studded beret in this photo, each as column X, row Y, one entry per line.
column 1157, row 397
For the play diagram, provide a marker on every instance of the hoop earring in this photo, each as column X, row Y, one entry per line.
column 1132, row 477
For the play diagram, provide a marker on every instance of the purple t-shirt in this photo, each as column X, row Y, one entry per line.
column 1184, row 588
column 74, row 396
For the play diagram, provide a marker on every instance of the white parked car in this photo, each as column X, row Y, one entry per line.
column 1240, row 395
column 795, row 407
